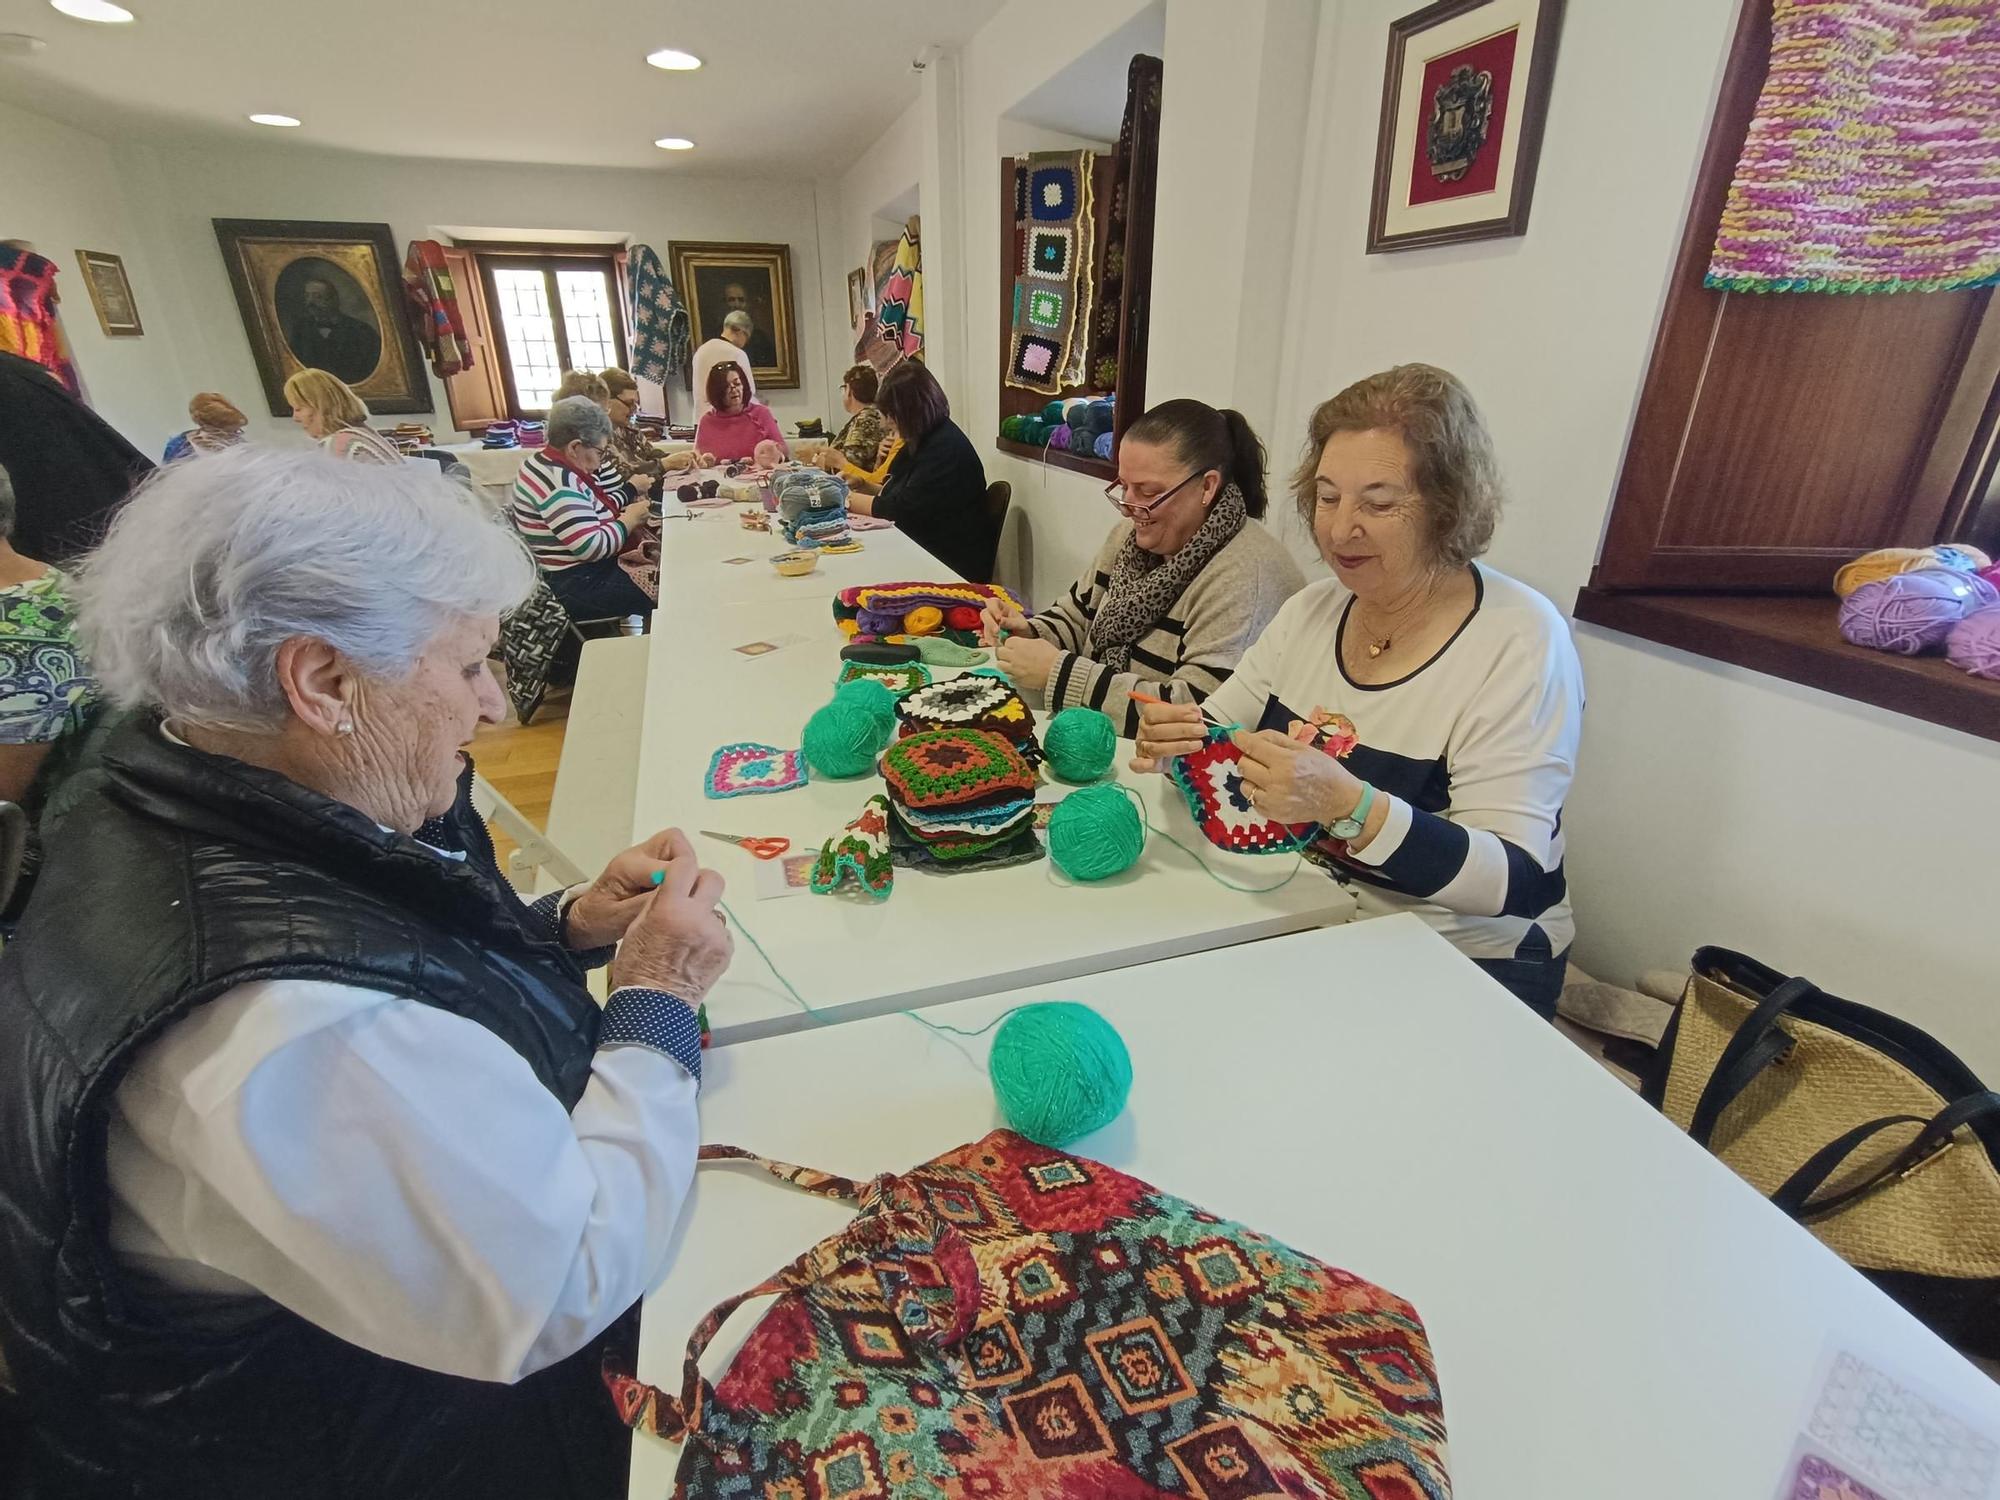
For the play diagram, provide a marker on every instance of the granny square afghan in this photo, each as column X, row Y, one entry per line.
column 1009, row 1320
column 745, row 769
column 1213, row 785
column 860, row 852
column 953, row 768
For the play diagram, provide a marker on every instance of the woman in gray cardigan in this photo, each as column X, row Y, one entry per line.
column 1179, row 589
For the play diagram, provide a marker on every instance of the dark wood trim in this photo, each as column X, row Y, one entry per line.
column 1528, row 150
column 533, row 260
column 1135, row 308
column 607, row 251
column 1797, row 637
column 1099, row 468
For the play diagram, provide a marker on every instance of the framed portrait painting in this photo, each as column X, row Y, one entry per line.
column 858, row 299
column 1464, row 98
column 756, row 280
column 328, row 297
column 110, row 294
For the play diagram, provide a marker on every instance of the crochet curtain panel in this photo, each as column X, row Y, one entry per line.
column 1873, row 161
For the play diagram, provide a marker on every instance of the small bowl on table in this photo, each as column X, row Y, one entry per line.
column 795, row 564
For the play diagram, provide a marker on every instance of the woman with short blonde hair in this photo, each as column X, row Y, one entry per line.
column 329, row 410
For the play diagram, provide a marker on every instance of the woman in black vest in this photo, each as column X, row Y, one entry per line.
column 321, row 1173
column 936, row 489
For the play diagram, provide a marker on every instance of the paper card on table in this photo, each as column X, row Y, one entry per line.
column 790, row 875
column 776, row 643
column 756, row 648
column 1897, row 1437
column 1811, row 1474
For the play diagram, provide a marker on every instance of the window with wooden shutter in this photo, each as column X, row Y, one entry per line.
column 476, row 396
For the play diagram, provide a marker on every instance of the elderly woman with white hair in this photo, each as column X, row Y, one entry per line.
column 574, row 526
column 321, row 1172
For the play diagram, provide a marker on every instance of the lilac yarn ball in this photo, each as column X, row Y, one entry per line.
column 1060, row 437
column 1974, row 644
column 1910, row 612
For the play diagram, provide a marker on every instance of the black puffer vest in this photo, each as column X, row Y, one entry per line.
column 181, row 877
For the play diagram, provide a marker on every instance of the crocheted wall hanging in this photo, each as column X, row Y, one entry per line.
column 954, row 768
column 1212, row 782
column 744, row 769
column 859, row 852
column 1873, row 161
column 1049, row 338
column 898, row 677
column 1008, row 1319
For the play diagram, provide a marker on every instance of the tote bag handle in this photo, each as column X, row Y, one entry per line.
column 1756, row 1044
column 1795, row 1196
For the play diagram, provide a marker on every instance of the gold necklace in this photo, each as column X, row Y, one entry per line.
column 1377, row 647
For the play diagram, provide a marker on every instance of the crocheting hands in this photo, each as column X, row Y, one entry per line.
column 640, row 482
column 1293, row 782
column 637, row 514
column 610, row 903
column 998, row 615
column 1166, row 731
column 677, row 941
column 1027, row 660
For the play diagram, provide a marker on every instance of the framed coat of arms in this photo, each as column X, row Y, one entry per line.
column 1463, row 101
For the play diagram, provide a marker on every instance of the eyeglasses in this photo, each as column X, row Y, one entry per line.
column 1115, row 492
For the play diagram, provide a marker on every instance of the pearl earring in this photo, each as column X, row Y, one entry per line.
column 345, row 726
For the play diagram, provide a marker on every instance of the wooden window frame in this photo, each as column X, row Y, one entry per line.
column 547, row 259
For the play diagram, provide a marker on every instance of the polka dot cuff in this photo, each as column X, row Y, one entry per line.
column 548, row 914
column 656, row 1019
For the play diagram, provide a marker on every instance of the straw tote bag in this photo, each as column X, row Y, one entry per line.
column 1863, row 1128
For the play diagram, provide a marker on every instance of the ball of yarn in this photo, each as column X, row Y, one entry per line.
column 1960, row 557
column 843, row 738
column 1102, row 447
column 1973, row 645
column 1053, row 413
column 1907, row 612
column 1095, row 833
column 1010, row 428
column 1991, row 575
column 872, row 696
column 1080, row 743
column 1887, row 562
column 962, row 617
column 925, row 619
column 688, row 492
column 1060, row 437
column 1059, row 1071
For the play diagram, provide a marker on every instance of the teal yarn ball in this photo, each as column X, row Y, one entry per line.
column 1096, row 833
column 843, row 738
column 873, row 696
column 1080, row 743
column 1060, row 1071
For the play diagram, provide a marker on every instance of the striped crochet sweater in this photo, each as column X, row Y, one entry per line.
column 1190, row 652
column 562, row 522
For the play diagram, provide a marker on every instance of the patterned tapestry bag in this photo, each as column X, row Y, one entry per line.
column 1010, row 1320
column 1863, row 1128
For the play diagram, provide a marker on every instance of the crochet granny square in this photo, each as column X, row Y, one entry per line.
column 937, row 768
column 740, row 770
column 897, row 677
column 860, row 851
column 1212, row 782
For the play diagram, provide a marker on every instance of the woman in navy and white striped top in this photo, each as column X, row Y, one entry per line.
column 1421, row 709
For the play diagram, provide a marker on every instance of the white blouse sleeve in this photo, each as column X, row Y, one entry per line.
column 397, row 1175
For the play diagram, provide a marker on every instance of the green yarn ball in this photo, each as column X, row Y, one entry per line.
column 871, row 695
column 1060, row 1071
column 843, row 738
column 1080, row 743
column 1096, row 833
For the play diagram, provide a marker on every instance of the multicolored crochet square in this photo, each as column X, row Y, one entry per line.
column 974, row 700
column 955, row 768
column 898, row 677
column 880, row 608
column 1212, row 782
column 859, row 852
column 1008, row 1320
column 745, row 769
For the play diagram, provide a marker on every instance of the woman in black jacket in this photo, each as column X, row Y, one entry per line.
column 936, row 489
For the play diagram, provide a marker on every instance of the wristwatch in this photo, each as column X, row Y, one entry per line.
column 1350, row 827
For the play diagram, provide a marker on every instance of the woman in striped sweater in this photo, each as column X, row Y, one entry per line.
column 1179, row 589
column 575, row 529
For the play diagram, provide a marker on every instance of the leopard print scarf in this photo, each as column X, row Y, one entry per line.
column 1144, row 587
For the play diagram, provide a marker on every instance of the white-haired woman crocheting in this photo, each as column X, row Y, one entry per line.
column 321, row 1172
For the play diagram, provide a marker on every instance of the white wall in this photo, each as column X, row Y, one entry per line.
column 1712, row 805
column 175, row 191
column 855, row 212
column 60, row 191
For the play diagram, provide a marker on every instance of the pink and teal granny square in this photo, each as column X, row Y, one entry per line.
column 742, row 770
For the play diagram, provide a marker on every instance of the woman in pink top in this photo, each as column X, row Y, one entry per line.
column 734, row 424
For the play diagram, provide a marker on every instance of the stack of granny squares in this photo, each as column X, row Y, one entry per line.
column 501, row 435
column 531, row 434
column 959, row 799
column 812, row 508
column 979, row 699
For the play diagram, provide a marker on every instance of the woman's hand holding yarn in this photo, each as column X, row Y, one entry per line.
column 1027, row 660
column 1166, row 732
column 999, row 615
column 678, row 942
column 1293, row 782
column 613, row 901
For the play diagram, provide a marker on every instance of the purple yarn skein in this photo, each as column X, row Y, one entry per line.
column 1911, row 612
column 1974, row 643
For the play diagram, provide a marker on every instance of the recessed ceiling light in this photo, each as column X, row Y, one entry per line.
column 671, row 58
column 93, row 10
column 284, row 122
column 674, row 143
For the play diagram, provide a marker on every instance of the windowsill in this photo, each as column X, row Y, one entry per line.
column 1796, row 637
column 1102, row 468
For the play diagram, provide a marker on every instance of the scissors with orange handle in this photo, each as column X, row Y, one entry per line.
column 760, row 848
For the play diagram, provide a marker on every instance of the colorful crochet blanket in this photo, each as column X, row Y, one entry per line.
column 1049, row 339
column 859, row 852
column 880, row 608
column 1873, row 161
column 661, row 334
column 1213, row 785
column 1010, row 1320
column 955, row 768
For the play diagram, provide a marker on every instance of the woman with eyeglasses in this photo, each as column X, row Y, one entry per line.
column 1180, row 588
column 632, row 452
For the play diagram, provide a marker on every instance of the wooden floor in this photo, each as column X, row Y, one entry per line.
column 520, row 761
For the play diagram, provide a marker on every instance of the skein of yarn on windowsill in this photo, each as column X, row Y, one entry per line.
column 1059, row 1071
column 1974, row 644
column 1887, row 562
column 1908, row 613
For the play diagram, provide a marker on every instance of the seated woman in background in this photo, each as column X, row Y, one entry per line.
column 632, row 451
column 46, row 690
column 217, row 425
column 735, row 423
column 610, row 478
column 1179, row 589
column 303, row 1101
column 1420, row 709
column 575, row 527
column 935, row 491
column 327, row 408
column 856, row 450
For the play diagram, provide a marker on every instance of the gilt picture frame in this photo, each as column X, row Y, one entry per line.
column 716, row 279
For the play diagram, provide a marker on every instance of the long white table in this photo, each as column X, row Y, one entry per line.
column 1612, row 1312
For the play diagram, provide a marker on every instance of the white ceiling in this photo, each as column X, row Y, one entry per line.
column 790, row 88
